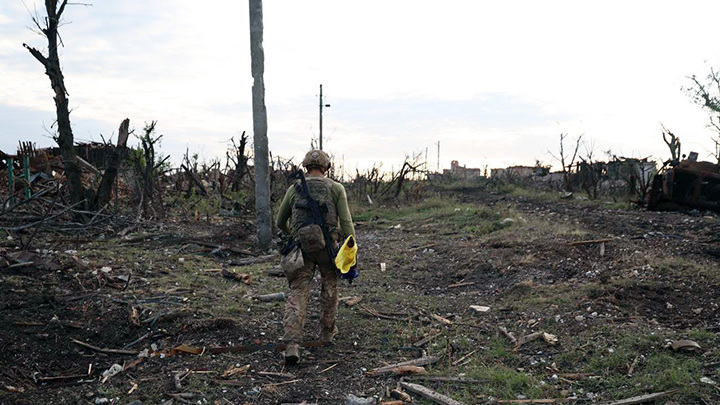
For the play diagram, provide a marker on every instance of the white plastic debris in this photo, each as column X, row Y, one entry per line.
column 114, row 370
column 479, row 308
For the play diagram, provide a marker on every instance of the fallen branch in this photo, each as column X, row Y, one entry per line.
column 429, row 394
column 422, row 361
column 460, row 360
column 104, row 350
column 221, row 247
column 275, row 272
column 271, row 374
column 550, row 339
column 60, row 377
column 351, row 301
column 377, row 314
column 463, row 284
column 641, row 399
column 459, row 380
column 508, row 335
column 426, row 340
column 241, row 277
column 254, row 260
column 441, row 319
column 590, row 242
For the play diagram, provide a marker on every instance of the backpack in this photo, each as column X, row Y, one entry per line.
column 303, row 227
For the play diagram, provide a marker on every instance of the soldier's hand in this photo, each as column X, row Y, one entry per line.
column 351, row 275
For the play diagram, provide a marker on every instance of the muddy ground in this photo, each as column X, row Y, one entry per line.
column 87, row 302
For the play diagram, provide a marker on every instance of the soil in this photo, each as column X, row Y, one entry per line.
column 161, row 286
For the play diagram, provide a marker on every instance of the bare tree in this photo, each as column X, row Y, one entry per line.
column 673, row 143
column 239, row 160
column 102, row 197
column 567, row 161
column 148, row 166
column 590, row 171
column 260, row 140
column 707, row 95
column 49, row 29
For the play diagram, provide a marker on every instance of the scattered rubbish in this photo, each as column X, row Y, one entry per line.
column 479, row 308
column 706, row 380
column 685, row 344
column 185, row 349
column 15, row 389
column 271, row 297
column 353, row 400
column 114, row 370
column 398, row 226
column 382, row 266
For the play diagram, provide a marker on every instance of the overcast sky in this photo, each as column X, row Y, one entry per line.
column 494, row 82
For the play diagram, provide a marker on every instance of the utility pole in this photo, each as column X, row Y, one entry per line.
column 438, row 166
column 321, row 107
column 427, row 169
column 262, row 153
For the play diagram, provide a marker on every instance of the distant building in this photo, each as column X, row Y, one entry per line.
column 518, row 172
column 461, row 172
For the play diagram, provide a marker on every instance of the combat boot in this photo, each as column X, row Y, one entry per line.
column 328, row 335
column 292, row 354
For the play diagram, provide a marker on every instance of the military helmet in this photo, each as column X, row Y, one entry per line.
column 317, row 158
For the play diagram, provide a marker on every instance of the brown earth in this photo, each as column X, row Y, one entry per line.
column 658, row 275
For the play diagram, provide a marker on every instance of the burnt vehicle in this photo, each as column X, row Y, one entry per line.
column 689, row 184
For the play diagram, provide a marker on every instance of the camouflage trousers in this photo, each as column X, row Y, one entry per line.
column 296, row 307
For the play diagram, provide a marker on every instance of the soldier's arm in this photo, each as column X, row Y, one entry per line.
column 343, row 210
column 285, row 210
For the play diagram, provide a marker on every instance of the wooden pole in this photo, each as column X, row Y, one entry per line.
column 11, row 179
column 262, row 153
column 26, row 174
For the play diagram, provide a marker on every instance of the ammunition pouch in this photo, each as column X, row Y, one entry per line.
column 292, row 261
column 311, row 238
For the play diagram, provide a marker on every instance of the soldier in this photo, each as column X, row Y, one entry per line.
column 331, row 195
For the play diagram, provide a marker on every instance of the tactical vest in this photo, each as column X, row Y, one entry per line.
column 320, row 190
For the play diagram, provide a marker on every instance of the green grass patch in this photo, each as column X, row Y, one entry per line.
column 471, row 218
column 506, row 383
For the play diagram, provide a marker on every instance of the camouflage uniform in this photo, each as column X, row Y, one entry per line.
column 296, row 308
column 300, row 280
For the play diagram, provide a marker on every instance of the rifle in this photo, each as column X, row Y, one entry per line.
column 317, row 216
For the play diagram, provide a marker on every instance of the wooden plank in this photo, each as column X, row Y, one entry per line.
column 429, row 394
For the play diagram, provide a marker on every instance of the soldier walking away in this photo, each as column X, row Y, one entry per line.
column 315, row 212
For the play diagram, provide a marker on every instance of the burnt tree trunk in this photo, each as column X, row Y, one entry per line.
column 52, row 69
column 102, row 197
